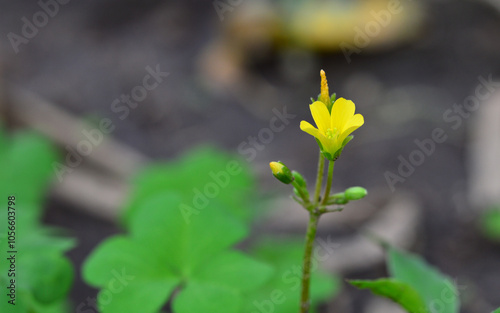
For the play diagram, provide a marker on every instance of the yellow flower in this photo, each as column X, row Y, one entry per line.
column 333, row 129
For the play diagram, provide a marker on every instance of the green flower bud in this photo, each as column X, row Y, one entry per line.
column 302, row 193
column 281, row 172
column 299, row 179
column 355, row 193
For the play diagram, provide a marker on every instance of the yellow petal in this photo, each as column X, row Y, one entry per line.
column 342, row 112
column 308, row 128
column 321, row 116
column 356, row 122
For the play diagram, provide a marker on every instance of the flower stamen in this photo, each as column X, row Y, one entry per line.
column 331, row 134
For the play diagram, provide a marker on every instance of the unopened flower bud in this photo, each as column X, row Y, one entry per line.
column 299, row 179
column 281, row 172
column 355, row 193
column 325, row 95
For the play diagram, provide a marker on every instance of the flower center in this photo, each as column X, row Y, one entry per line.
column 331, row 134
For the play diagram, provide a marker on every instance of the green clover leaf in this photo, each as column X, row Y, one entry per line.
column 436, row 289
column 164, row 252
column 397, row 291
column 415, row 285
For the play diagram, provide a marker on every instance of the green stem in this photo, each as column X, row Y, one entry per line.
column 306, row 267
column 319, row 177
column 302, row 194
column 331, row 165
column 329, row 210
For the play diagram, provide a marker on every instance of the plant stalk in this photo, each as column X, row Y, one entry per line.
column 331, row 165
column 319, row 177
column 305, row 301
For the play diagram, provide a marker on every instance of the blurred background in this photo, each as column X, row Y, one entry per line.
column 157, row 78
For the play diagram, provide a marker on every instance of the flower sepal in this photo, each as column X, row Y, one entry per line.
column 333, row 98
column 339, row 151
column 328, row 156
column 329, row 103
column 299, row 179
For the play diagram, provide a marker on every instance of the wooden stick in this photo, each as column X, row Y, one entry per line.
column 96, row 194
column 66, row 130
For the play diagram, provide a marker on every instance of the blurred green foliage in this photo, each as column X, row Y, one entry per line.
column 490, row 224
column 189, row 261
column 281, row 293
column 43, row 274
column 203, row 175
column 415, row 285
column 398, row 291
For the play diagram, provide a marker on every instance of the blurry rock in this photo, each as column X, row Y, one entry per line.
column 254, row 26
column 323, row 25
column 382, row 305
column 253, row 30
column 248, row 32
column 484, row 154
column 221, row 66
column 396, row 224
column 332, row 25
